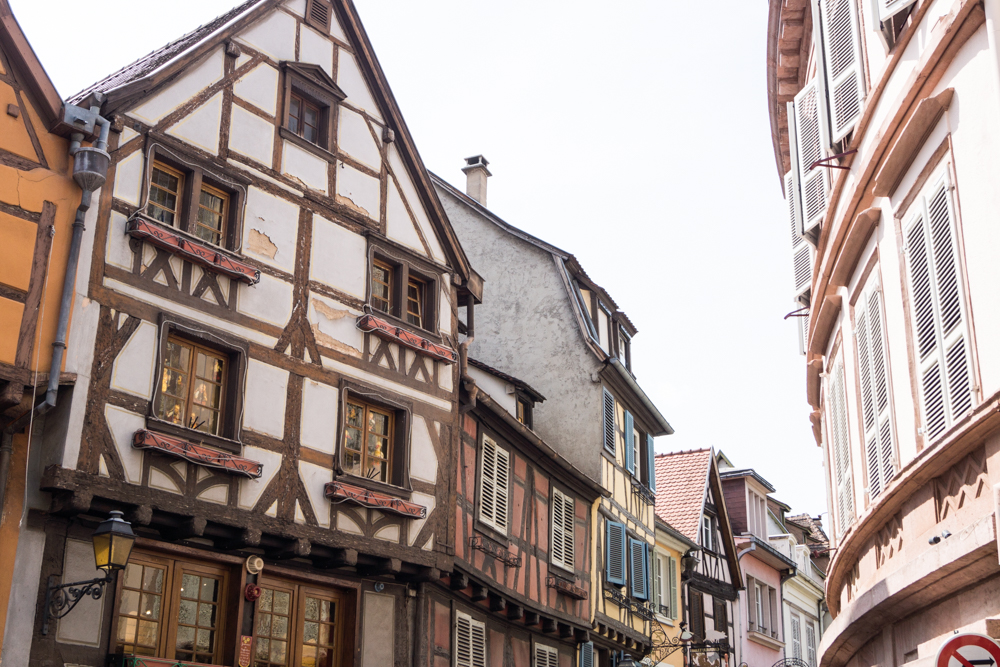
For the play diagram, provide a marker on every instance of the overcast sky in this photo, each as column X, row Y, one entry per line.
column 633, row 134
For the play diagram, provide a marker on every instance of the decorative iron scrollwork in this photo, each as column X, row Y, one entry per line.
column 61, row 598
column 565, row 587
column 644, row 494
column 637, row 607
column 491, row 549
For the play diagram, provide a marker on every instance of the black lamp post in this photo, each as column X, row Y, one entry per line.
column 113, row 542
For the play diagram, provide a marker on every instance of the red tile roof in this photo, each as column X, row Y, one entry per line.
column 681, row 478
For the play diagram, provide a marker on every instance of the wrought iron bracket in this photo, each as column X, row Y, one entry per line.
column 495, row 551
column 60, row 599
column 826, row 161
column 644, row 494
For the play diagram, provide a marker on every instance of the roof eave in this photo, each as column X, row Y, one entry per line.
column 654, row 413
column 38, row 82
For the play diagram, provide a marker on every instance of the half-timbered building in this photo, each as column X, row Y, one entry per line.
column 550, row 324
column 520, row 593
column 267, row 357
column 691, row 500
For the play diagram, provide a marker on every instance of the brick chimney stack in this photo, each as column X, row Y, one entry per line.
column 476, row 174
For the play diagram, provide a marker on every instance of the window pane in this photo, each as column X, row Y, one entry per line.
column 311, row 115
column 263, row 649
column 133, row 575
column 130, row 603
column 187, row 611
column 263, row 623
column 185, row 638
column 264, row 602
column 381, row 287
column 152, row 579
column 294, row 112
column 310, row 134
column 282, row 602
column 278, row 651
column 280, row 628
column 150, row 609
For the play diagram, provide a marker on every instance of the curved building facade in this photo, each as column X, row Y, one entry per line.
column 885, row 117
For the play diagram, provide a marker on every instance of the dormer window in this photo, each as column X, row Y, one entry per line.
column 624, row 349
column 524, row 411
column 311, row 98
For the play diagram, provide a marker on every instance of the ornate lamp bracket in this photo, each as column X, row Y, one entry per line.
column 61, row 598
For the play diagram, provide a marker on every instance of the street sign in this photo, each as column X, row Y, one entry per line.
column 968, row 650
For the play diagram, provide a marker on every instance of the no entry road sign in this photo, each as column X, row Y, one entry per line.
column 969, row 650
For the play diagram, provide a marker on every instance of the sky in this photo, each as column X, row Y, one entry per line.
column 634, row 135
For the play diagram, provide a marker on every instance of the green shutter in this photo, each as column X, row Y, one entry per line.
column 614, row 553
column 629, row 443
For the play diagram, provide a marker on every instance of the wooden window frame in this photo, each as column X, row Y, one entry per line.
column 567, row 499
column 404, row 269
column 299, row 591
column 494, row 531
column 368, row 408
column 174, row 569
column 399, row 462
column 191, row 377
column 197, row 174
column 236, row 353
column 311, row 84
column 525, row 410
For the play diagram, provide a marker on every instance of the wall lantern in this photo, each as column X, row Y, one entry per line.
column 113, row 542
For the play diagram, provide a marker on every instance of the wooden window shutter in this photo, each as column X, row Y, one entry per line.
column 802, row 252
column 810, row 644
column 672, row 588
column 751, row 602
column 807, row 137
column 638, row 578
column 502, row 489
column 938, row 310
column 563, row 539
column 889, row 8
column 629, row 443
column 318, row 14
column 875, row 409
column 609, row 422
column 651, row 457
column 658, row 595
column 587, row 654
column 841, row 445
column 546, row 656
column 842, row 59
column 615, row 553
column 697, row 613
column 494, row 485
column 796, row 637
column 470, row 641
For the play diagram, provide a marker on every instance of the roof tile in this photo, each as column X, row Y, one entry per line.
column 680, row 489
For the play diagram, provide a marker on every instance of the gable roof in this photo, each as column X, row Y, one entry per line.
column 533, row 393
column 681, row 485
column 22, row 56
column 158, row 68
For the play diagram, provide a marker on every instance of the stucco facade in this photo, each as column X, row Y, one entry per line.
column 902, row 365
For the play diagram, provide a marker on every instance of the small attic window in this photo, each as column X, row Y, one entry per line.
column 310, row 103
column 318, row 14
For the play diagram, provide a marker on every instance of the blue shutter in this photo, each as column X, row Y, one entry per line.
column 629, row 443
column 638, row 576
column 651, row 455
column 587, row 654
column 614, row 553
column 609, row 422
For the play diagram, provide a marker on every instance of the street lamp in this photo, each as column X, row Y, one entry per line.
column 113, row 542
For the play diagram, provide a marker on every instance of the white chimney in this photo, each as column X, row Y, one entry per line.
column 476, row 174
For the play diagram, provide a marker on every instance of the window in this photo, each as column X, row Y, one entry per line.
column 891, row 18
column 170, row 609
column 192, row 386
column 638, row 568
column 192, row 200
column 807, row 141
column 938, row 308
column 587, row 656
column 297, row 625
column 839, row 40
column 311, row 98
column 624, row 349
column 629, row 436
column 772, row 609
column 839, row 444
column 757, row 514
column 415, row 306
column 708, row 533
column 563, row 533
column 762, row 607
column 721, row 616
column 672, row 572
column 697, row 613
column 759, row 605
column 810, row 643
column 796, row 636
column 873, row 374
column 609, row 423
column 368, row 438
column 470, row 641
column 494, row 484
column 546, row 656
column 614, row 551
column 524, row 412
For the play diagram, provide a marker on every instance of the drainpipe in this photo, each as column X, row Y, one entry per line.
column 90, row 171
column 739, row 556
column 463, row 355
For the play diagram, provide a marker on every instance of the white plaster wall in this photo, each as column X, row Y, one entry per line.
column 314, row 478
column 83, row 626
column 134, row 366
column 128, row 178
column 316, row 49
column 266, row 391
column 355, row 138
column 259, row 87
column 398, row 224
column 423, row 459
column 278, row 220
column 358, row 190
column 319, row 416
column 251, row 135
column 444, row 307
column 350, row 79
column 304, row 167
column 269, row 300
column 430, row 503
column 118, row 251
column 335, row 325
column 250, row 489
column 274, row 36
column 497, row 388
column 296, row 6
column 201, row 127
column 123, row 425
column 199, row 77
column 410, row 194
column 347, row 273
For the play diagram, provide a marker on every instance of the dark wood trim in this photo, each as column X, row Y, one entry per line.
column 31, row 131
column 13, row 294
column 17, row 162
column 18, row 212
column 36, row 284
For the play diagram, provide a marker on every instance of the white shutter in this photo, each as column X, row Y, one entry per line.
column 802, row 252
column 802, row 327
column 658, row 594
column 842, row 58
column 810, row 644
column 806, row 135
column 672, row 588
column 470, row 641
column 875, row 409
column 841, row 444
column 939, row 319
column 889, row 8
column 563, row 515
column 796, row 637
column 494, row 483
column 546, row 656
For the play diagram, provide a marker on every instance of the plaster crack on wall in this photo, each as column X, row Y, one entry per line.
column 260, row 243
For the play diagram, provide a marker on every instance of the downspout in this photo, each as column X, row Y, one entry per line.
column 463, row 355
column 741, row 554
column 90, row 169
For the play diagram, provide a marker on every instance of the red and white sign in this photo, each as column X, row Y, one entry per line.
column 968, row 650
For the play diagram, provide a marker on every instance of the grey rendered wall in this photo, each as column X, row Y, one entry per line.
column 526, row 327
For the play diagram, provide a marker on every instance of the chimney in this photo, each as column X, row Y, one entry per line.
column 476, row 174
